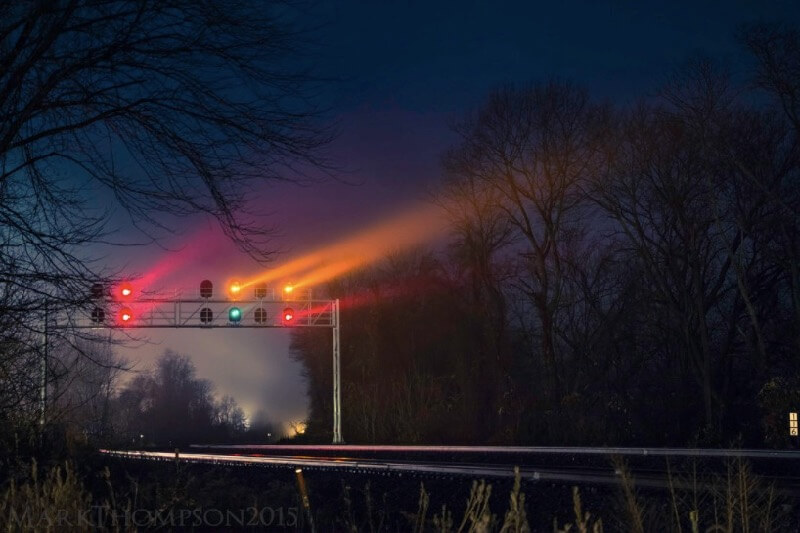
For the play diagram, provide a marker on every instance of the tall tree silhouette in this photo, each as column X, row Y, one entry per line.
column 148, row 111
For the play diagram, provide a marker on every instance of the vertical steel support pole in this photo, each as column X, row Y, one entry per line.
column 43, row 377
column 337, row 379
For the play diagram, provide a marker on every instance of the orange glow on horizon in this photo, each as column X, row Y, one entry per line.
column 415, row 226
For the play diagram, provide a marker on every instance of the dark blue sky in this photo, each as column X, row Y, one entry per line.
column 402, row 72
column 406, row 70
column 443, row 56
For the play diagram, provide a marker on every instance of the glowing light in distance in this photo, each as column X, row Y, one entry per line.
column 288, row 289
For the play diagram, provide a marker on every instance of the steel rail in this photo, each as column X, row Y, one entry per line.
column 543, row 450
column 601, row 476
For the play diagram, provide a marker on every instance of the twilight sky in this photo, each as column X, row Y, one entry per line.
column 403, row 71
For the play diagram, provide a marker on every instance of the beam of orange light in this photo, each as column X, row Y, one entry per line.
column 331, row 271
column 413, row 226
column 287, row 269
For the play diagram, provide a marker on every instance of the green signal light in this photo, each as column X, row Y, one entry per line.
column 234, row 314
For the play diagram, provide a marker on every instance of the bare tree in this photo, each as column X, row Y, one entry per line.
column 691, row 218
column 147, row 111
column 777, row 53
column 84, row 387
column 479, row 250
column 169, row 405
column 536, row 148
column 230, row 416
column 777, row 73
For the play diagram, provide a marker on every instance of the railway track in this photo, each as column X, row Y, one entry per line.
column 580, row 465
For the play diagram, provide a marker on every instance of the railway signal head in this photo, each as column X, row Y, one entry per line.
column 260, row 315
column 288, row 315
column 206, row 315
column 98, row 315
column 96, row 291
column 206, row 289
column 234, row 315
column 260, row 290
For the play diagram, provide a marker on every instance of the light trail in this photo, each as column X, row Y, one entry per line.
column 203, row 242
column 569, row 473
column 414, row 226
column 376, row 466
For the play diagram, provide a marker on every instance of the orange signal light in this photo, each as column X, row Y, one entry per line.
column 288, row 289
column 235, row 288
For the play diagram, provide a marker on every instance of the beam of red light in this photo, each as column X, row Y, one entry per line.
column 200, row 243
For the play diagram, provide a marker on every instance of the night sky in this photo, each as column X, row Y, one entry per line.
column 401, row 73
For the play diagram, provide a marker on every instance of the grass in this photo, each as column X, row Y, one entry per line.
column 58, row 502
column 735, row 500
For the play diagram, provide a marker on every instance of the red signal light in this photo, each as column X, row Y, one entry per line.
column 125, row 315
column 125, row 290
column 288, row 314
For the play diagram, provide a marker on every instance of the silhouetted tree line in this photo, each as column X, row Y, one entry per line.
column 616, row 274
column 167, row 405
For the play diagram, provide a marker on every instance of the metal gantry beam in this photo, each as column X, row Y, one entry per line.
column 186, row 313
column 207, row 313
